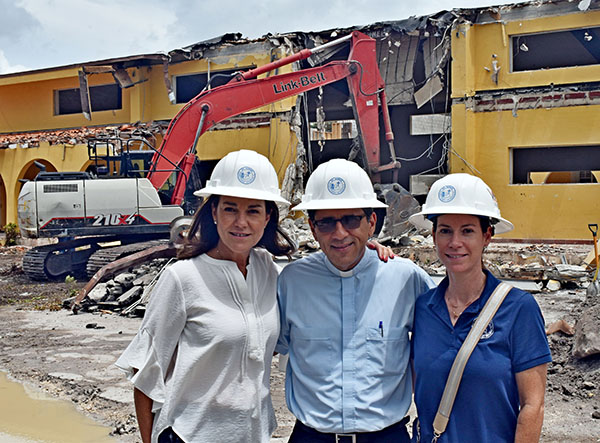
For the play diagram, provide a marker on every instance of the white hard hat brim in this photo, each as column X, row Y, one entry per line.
column 421, row 221
column 340, row 203
column 232, row 191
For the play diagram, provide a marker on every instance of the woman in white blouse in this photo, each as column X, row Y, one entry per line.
column 200, row 362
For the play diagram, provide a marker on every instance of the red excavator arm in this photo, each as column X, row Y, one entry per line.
column 245, row 92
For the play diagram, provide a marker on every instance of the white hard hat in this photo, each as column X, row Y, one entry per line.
column 339, row 184
column 245, row 174
column 461, row 194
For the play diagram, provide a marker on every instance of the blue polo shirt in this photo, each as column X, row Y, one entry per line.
column 487, row 401
column 347, row 338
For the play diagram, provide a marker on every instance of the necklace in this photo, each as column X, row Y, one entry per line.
column 216, row 254
column 455, row 308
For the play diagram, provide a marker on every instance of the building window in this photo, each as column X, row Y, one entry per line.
column 102, row 98
column 189, row 86
column 546, row 165
column 560, row 49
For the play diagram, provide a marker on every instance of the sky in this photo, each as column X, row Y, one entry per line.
column 37, row 34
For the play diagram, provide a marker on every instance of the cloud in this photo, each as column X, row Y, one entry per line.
column 6, row 67
column 204, row 20
column 75, row 31
column 15, row 21
column 49, row 33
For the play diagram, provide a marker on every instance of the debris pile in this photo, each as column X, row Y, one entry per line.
column 546, row 268
column 79, row 135
column 299, row 231
column 127, row 293
column 574, row 373
column 550, row 267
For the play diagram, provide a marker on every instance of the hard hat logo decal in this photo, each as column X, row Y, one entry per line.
column 246, row 175
column 336, row 185
column 447, row 194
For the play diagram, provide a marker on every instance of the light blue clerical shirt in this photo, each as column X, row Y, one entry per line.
column 346, row 333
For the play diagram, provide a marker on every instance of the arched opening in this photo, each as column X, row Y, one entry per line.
column 2, row 203
column 29, row 172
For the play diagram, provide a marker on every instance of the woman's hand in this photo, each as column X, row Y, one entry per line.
column 384, row 252
column 532, row 386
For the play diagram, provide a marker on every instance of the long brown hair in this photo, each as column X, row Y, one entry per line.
column 203, row 236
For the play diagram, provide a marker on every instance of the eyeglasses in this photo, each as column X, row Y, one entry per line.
column 328, row 224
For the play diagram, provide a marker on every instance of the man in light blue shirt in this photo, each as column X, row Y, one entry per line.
column 345, row 319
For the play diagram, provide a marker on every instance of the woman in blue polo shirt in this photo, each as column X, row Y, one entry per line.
column 501, row 394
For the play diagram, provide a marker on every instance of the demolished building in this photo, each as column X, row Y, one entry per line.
column 509, row 93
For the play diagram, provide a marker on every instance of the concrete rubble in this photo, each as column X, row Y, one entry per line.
column 126, row 293
column 80, row 135
column 587, row 333
column 537, row 268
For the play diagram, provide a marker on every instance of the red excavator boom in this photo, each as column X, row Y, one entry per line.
column 245, row 92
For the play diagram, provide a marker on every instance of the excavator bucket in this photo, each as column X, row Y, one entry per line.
column 401, row 205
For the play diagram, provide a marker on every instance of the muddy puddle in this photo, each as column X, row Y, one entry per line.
column 27, row 416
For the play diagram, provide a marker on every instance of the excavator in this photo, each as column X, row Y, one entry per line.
column 88, row 212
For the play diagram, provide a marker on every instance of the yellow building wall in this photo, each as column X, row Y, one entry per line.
column 482, row 141
column 538, row 211
column 475, row 47
column 27, row 105
column 276, row 142
column 27, row 101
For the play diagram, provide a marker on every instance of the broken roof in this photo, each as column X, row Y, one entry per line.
column 74, row 136
column 442, row 19
column 176, row 55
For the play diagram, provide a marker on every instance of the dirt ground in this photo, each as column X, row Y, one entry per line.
column 71, row 357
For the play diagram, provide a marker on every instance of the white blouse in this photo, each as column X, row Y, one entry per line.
column 203, row 351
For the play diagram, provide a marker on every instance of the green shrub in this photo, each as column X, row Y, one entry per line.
column 12, row 233
column 71, row 285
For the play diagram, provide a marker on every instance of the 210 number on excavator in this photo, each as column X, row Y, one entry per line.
column 113, row 219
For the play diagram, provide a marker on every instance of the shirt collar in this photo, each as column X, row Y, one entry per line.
column 364, row 262
column 437, row 303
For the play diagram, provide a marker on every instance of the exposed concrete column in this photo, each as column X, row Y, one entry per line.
column 463, row 55
column 139, row 98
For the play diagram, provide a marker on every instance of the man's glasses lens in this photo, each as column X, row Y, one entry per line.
column 348, row 222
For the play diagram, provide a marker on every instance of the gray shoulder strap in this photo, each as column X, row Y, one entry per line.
column 487, row 313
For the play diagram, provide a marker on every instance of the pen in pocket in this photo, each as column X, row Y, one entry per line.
column 381, row 328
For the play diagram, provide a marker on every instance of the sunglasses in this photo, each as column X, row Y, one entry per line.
column 328, row 224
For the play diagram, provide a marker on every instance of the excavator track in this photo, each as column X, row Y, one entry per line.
column 33, row 264
column 70, row 257
column 104, row 256
column 53, row 262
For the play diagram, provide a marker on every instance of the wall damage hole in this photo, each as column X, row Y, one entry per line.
column 190, row 85
column 558, row 177
column 334, row 130
column 555, row 165
column 558, row 49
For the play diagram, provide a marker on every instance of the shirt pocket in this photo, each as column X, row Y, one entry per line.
column 387, row 354
column 313, row 351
